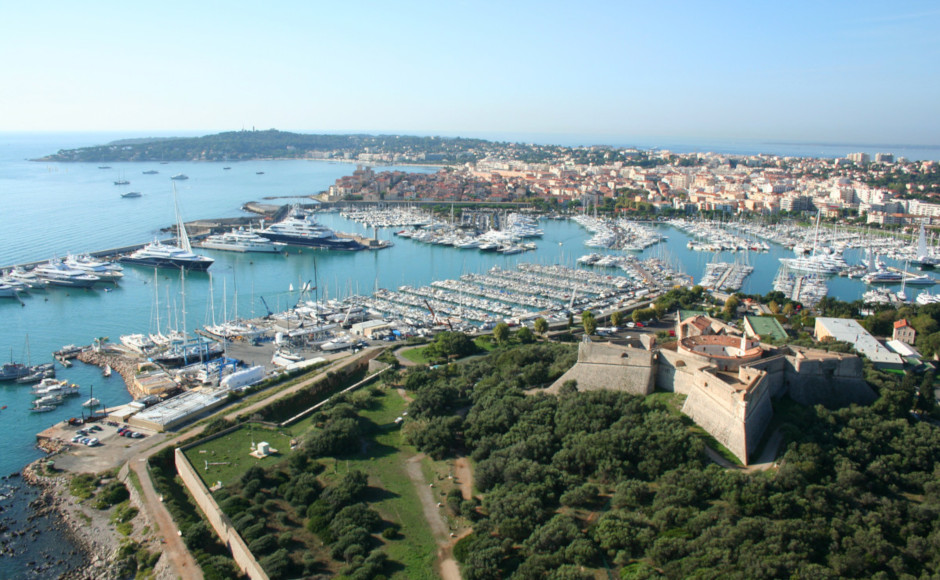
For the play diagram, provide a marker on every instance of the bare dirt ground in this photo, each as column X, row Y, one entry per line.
column 446, row 564
column 464, row 477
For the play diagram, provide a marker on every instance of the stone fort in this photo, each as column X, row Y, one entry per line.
column 730, row 381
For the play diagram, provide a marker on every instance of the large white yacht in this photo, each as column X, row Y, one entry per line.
column 161, row 255
column 58, row 273
column 107, row 271
column 300, row 229
column 239, row 241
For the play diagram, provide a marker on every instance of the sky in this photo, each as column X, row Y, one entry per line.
column 840, row 71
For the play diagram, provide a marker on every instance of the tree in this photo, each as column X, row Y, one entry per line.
column 501, row 333
column 589, row 322
column 615, row 318
column 541, row 326
column 773, row 307
column 525, row 335
column 789, row 309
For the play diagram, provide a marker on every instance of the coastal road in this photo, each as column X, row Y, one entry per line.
column 182, row 562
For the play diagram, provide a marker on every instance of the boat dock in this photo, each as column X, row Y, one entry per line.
column 725, row 276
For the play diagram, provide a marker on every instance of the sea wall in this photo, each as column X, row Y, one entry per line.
column 219, row 521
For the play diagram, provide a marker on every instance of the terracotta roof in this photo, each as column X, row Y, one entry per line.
column 901, row 323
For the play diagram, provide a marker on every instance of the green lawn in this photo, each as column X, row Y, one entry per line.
column 392, row 492
column 230, row 453
column 416, row 355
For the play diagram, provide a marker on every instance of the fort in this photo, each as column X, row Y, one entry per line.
column 730, row 380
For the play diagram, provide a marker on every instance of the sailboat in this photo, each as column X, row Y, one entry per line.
column 25, row 373
column 161, row 255
column 924, row 259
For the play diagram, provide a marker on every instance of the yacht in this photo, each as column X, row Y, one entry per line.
column 300, row 229
column 25, row 279
column 926, row 297
column 106, row 271
column 183, row 354
column 920, row 280
column 817, row 263
column 58, row 273
column 180, row 177
column 151, row 172
column 239, row 241
column 336, row 344
column 9, row 291
column 131, row 194
column 50, row 386
column 883, row 276
column 122, row 182
column 161, row 255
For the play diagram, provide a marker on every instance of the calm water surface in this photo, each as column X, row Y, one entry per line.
column 52, row 209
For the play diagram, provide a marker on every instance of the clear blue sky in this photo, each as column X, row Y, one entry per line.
column 863, row 72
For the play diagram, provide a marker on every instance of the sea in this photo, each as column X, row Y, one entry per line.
column 54, row 209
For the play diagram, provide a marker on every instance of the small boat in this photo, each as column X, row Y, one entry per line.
column 151, row 172
column 106, row 371
column 104, row 167
column 180, row 176
column 132, row 194
column 226, row 168
column 259, row 172
column 92, row 402
column 41, row 408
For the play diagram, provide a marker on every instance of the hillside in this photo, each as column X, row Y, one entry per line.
column 245, row 145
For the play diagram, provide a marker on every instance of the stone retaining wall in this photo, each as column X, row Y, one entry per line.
column 219, row 521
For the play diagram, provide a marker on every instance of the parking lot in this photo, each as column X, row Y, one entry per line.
column 111, row 451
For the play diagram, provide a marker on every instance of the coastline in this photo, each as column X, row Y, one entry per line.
column 90, row 530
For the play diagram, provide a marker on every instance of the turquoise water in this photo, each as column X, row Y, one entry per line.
column 53, row 209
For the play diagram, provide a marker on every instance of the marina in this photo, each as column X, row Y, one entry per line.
column 309, row 297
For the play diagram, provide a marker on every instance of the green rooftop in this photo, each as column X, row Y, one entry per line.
column 766, row 326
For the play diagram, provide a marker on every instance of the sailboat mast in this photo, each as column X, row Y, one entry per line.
column 181, row 234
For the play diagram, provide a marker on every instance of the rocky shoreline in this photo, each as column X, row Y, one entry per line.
column 91, row 530
column 122, row 364
column 98, row 545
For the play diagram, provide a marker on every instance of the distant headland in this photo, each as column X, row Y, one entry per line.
column 274, row 144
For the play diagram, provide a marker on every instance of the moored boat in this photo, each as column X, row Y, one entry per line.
column 300, row 229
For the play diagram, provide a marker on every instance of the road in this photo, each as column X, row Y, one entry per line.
column 182, row 562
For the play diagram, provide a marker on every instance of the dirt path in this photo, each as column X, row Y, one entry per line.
column 402, row 360
column 464, row 477
column 173, row 547
column 182, row 562
column 768, row 455
column 447, row 566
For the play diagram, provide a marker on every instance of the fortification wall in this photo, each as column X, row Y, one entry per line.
column 676, row 372
column 775, row 367
column 611, row 367
column 833, row 381
column 219, row 521
column 736, row 420
column 710, row 414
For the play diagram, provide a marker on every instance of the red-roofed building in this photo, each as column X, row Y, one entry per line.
column 904, row 332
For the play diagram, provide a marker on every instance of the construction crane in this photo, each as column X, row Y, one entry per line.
column 434, row 317
column 266, row 307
